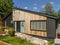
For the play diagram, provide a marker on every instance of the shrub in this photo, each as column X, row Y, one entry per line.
column 51, row 43
column 11, row 32
column 2, row 30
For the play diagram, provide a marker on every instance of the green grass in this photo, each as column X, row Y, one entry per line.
column 50, row 43
column 14, row 40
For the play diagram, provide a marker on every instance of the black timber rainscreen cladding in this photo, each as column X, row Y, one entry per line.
column 51, row 28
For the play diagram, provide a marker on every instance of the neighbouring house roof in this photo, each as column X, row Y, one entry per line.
column 6, row 16
column 47, row 15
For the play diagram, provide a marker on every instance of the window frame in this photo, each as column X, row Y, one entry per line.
column 38, row 21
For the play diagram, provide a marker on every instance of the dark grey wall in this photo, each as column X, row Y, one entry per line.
column 51, row 28
column 8, row 21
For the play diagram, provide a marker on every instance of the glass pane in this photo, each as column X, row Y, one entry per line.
column 32, row 25
column 18, row 26
column 43, row 25
column 35, row 25
column 38, row 25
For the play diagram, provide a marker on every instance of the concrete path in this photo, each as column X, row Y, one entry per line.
column 32, row 39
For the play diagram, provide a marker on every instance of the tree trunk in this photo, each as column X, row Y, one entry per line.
column 1, row 23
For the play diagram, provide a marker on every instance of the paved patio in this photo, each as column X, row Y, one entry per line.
column 32, row 39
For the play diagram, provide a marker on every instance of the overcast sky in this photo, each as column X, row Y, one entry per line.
column 36, row 5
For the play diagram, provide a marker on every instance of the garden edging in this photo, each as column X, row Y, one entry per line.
column 5, row 43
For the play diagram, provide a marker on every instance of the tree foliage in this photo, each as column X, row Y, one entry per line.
column 58, row 13
column 5, row 7
column 48, row 9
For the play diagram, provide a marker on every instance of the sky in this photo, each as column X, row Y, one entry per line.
column 36, row 5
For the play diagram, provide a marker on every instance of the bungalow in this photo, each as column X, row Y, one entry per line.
column 34, row 23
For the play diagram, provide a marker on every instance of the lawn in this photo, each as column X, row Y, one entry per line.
column 50, row 43
column 14, row 40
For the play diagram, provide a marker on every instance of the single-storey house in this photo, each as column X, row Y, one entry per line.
column 34, row 23
column 31, row 23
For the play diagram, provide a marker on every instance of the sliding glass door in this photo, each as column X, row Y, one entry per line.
column 19, row 26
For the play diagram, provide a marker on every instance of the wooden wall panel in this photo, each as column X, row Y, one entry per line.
column 26, row 16
column 39, row 33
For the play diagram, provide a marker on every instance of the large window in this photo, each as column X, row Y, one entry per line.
column 38, row 25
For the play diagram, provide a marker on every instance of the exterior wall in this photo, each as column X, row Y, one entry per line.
column 51, row 28
column 19, row 15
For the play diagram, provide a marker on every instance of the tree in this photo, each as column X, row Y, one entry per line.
column 48, row 9
column 58, row 16
column 5, row 7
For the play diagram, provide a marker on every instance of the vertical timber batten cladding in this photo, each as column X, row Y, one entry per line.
column 37, row 24
column 21, row 15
